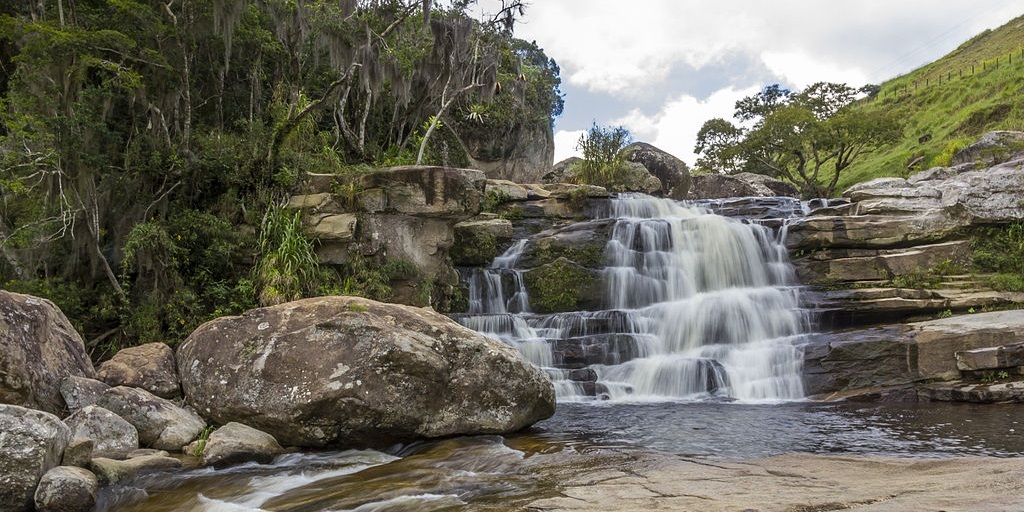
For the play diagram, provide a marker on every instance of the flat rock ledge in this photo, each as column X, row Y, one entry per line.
column 789, row 483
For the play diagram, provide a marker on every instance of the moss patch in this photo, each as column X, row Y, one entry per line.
column 561, row 286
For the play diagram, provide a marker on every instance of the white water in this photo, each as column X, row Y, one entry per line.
column 698, row 305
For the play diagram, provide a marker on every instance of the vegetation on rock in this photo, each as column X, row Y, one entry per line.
column 141, row 142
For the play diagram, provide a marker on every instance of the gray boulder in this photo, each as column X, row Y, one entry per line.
column 31, row 443
column 346, row 371
column 79, row 392
column 720, row 186
column 161, row 424
column 111, row 471
column 235, row 443
column 671, row 171
column 110, row 433
column 149, row 366
column 38, row 349
column 67, row 489
column 992, row 148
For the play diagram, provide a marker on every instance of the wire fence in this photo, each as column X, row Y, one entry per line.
column 937, row 78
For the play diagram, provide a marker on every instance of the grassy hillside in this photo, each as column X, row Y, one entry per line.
column 947, row 104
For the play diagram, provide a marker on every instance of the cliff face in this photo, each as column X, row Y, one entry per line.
column 523, row 155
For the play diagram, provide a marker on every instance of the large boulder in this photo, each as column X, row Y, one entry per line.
column 720, row 186
column 110, row 433
column 235, row 443
column 423, row 191
column 67, row 489
column 149, row 366
column 38, row 349
column 673, row 172
column 521, row 155
column 347, row 371
column 79, row 392
column 31, row 443
column 161, row 424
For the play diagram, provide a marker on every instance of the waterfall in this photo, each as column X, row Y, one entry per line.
column 697, row 305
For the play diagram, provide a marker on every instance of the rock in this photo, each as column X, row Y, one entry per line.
column 561, row 171
column 79, row 392
column 583, row 243
column 936, row 342
column 990, row 358
column 613, row 482
column 869, row 231
column 110, row 471
column 850, row 265
column 235, row 443
column 31, row 443
column 333, row 226
column 672, row 172
column 346, row 371
column 903, row 354
column 563, row 285
column 522, row 155
column 956, row 391
column 992, row 148
column 67, row 489
column 568, row 190
column 78, row 453
column 113, row 435
column 636, row 178
column 724, row 185
column 477, row 241
column 38, row 349
column 507, row 190
column 423, row 191
column 149, row 366
column 160, row 423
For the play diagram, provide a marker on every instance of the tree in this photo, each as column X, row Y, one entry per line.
column 602, row 162
column 808, row 138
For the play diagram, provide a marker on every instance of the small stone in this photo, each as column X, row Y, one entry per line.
column 66, row 489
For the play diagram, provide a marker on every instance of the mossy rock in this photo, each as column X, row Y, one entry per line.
column 561, row 286
column 583, row 243
column 477, row 242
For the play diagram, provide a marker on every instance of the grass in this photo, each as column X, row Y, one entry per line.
column 942, row 118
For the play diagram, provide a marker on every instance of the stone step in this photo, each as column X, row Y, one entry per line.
column 583, row 351
column 991, row 358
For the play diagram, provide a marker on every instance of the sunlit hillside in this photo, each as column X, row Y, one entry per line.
column 947, row 104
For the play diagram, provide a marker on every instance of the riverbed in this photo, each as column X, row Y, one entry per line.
column 595, row 442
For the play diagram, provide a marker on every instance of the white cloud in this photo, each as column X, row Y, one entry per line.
column 565, row 144
column 798, row 69
column 674, row 128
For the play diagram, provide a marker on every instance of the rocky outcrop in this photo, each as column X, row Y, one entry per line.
column 902, row 355
column 160, row 423
column 38, row 349
column 901, row 248
column 345, row 371
column 991, row 149
column 149, row 366
column 235, row 443
column 673, row 173
column 523, row 156
column 31, row 443
column 405, row 214
column 718, row 186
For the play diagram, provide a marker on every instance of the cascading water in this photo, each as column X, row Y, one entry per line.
column 699, row 305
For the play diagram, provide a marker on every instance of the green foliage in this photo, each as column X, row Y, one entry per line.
column 999, row 250
column 559, row 286
column 493, row 199
column 946, row 103
column 603, row 163
column 142, row 143
column 287, row 268
column 808, row 138
column 926, row 278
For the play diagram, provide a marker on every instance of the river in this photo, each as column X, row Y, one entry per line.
column 697, row 354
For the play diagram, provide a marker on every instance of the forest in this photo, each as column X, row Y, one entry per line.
column 146, row 146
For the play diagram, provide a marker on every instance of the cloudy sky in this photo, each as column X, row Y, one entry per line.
column 661, row 68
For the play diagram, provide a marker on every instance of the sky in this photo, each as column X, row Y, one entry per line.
column 661, row 68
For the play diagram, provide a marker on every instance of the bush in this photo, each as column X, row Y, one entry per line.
column 603, row 163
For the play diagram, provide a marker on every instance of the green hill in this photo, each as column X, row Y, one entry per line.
column 976, row 88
